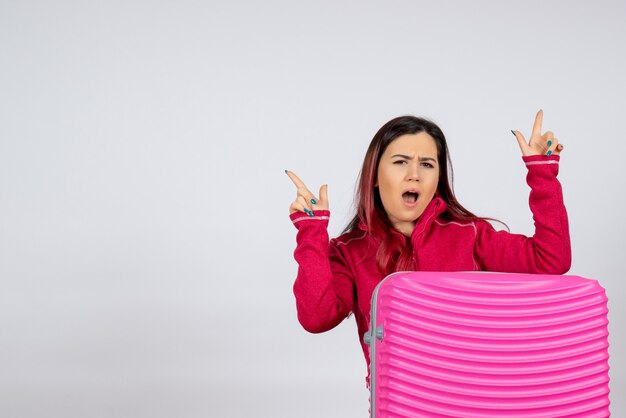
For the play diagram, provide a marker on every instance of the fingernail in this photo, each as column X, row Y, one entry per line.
column 549, row 153
column 314, row 201
column 549, row 143
column 285, row 171
column 308, row 212
column 513, row 132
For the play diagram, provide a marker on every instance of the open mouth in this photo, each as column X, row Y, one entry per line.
column 410, row 197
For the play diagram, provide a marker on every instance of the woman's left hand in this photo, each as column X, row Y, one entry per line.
column 539, row 144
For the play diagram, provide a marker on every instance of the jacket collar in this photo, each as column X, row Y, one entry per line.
column 435, row 208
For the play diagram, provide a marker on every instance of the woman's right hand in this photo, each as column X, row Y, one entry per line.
column 305, row 200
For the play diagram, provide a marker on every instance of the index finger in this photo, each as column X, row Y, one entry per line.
column 537, row 125
column 296, row 180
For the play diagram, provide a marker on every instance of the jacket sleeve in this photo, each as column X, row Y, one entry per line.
column 548, row 251
column 324, row 287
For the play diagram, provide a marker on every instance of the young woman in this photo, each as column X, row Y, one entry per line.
column 407, row 218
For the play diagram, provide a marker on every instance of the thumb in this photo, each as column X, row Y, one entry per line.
column 324, row 196
column 521, row 141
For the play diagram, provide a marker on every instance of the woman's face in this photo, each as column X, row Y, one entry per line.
column 407, row 178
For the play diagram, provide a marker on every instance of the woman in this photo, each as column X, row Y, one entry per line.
column 407, row 218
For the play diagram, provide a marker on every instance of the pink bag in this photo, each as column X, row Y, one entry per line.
column 488, row 345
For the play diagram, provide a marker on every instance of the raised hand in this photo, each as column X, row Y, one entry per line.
column 538, row 144
column 305, row 200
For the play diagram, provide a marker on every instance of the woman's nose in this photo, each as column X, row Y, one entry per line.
column 413, row 173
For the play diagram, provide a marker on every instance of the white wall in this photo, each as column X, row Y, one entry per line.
column 145, row 250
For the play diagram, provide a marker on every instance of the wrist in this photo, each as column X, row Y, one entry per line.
column 301, row 218
column 540, row 157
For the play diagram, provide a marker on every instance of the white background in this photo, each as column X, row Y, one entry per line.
column 146, row 264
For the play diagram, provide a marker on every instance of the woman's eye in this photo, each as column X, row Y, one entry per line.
column 428, row 165
column 400, row 162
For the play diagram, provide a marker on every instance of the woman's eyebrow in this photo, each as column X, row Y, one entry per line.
column 420, row 159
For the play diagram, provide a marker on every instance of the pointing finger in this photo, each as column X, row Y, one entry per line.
column 537, row 125
column 296, row 180
column 302, row 190
column 521, row 141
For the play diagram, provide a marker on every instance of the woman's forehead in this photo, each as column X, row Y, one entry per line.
column 410, row 144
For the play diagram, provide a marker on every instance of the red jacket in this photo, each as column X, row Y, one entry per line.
column 337, row 278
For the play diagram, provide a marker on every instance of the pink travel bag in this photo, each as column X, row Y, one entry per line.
column 486, row 345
